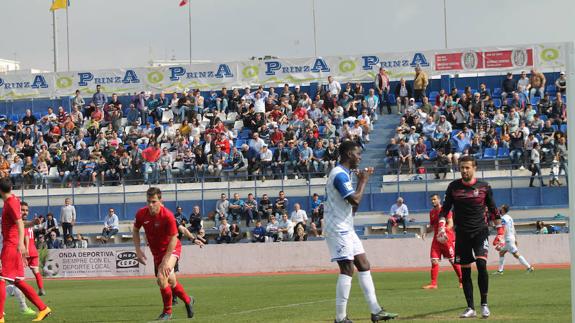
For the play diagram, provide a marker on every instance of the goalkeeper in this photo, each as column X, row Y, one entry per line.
column 469, row 199
column 443, row 242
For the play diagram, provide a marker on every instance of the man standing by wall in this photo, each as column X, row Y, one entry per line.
column 420, row 83
column 382, row 86
column 67, row 217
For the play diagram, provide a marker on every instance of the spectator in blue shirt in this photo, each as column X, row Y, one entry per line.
column 305, row 156
column 462, row 143
column 236, row 208
column 319, row 165
column 133, row 116
column 316, row 210
column 259, row 233
column 99, row 98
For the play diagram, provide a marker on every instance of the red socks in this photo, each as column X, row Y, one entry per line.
column 2, row 297
column 167, row 298
column 434, row 273
column 39, row 280
column 181, row 293
column 30, row 294
column 457, row 269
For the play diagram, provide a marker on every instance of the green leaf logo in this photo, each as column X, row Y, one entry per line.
column 347, row 66
column 64, row 82
column 250, row 72
column 155, row 77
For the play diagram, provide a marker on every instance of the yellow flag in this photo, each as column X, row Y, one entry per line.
column 59, row 4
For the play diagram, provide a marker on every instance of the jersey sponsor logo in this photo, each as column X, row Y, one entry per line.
column 348, row 186
column 476, row 193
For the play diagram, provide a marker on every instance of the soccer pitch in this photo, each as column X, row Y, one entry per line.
column 514, row 297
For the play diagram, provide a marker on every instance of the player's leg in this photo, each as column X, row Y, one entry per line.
column 33, row 265
column 434, row 274
column 481, row 248
column 448, row 252
column 165, row 288
column 2, row 298
column 464, row 257
column 342, row 289
column 501, row 267
column 179, row 291
column 366, row 281
column 13, row 291
column 515, row 252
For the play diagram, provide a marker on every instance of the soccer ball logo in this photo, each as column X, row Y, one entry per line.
column 51, row 268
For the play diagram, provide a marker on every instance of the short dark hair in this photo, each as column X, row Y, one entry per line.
column 465, row 159
column 504, row 208
column 346, row 147
column 435, row 194
column 5, row 185
column 154, row 191
column 22, row 203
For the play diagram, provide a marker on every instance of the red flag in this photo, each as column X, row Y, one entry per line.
column 183, row 3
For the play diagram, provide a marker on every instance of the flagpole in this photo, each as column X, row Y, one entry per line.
column 67, row 37
column 54, row 37
column 314, row 29
column 190, row 27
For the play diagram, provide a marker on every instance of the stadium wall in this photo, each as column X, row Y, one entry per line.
column 309, row 256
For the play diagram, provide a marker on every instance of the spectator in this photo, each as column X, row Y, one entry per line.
column 508, row 86
column 537, row 83
column 224, row 234
column 535, row 165
column 111, row 226
column 235, row 232
column 202, row 236
column 80, row 242
column 316, row 210
column 298, row 215
column 196, row 222
column 265, row 207
column 516, row 147
column 272, row 229
column 236, row 209
column 99, row 98
column 151, row 156
column 398, row 214
column 281, row 204
column 251, row 209
column 381, row 84
column 420, row 83
column 405, row 156
column 333, row 86
column 403, row 92
column 285, row 228
column 266, row 158
column 222, row 209
column 259, row 233
column 299, row 232
column 561, row 84
column 68, row 217
column 392, row 155
column 53, row 242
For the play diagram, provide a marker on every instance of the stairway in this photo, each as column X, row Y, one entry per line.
column 383, row 131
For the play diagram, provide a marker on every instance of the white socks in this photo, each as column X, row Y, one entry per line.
column 342, row 290
column 501, row 263
column 524, row 262
column 366, row 284
column 14, row 291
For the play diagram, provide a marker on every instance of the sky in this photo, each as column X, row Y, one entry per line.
column 130, row 33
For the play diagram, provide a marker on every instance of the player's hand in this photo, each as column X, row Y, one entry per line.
column 22, row 250
column 165, row 269
column 499, row 242
column 442, row 237
column 141, row 257
column 199, row 243
column 363, row 174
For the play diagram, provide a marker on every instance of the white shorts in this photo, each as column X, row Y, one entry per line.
column 510, row 246
column 344, row 245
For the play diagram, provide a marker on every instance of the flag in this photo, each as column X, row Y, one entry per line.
column 59, row 4
column 183, row 3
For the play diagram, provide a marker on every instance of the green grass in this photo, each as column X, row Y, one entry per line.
column 514, row 297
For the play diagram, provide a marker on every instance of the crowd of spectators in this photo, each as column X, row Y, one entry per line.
column 524, row 121
column 156, row 137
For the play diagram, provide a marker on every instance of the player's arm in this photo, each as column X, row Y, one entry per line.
column 346, row 189
column 26, row 241
column 446, row 207
column 449, row 223
column 21, row 246
column 190, row 236
column 496, row 217
column 136, row 238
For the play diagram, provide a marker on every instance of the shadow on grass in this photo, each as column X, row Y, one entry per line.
column 425, row 315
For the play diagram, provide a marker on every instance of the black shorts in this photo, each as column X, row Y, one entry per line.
column 176, row 268
column 470, row 246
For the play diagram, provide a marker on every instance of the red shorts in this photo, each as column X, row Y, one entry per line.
column 447, row 250
column 158, row 257
column 33, row 261
column 12, row 264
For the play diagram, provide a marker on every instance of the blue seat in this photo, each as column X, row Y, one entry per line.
column 551, row 90
column 15, row 118
column 38, row 115
column 563, row 128
column 239, row 143
column 555, row 127
column 497, row 103
column 489, row 153
column 535, row 100
column 245, row 134
column 433, row 95
column 497, row 93
column 543, row 117
column 428, row 145
column 432, row 154
column 503, row 152
column 391, row 98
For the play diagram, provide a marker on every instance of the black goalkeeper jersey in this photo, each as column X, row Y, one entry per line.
column 470, row 204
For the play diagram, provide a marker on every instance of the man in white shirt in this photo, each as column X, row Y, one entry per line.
column 397, row 214
column 67, row 217
column 333, row 86
column 266, row 157
column 285, row 228
column 111, row 226
column 510, row 242
column 298, row 215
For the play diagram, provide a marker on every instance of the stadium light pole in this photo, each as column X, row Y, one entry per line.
column 314, row 29
column 445, row 22
column 190, row 27
column 571, row 166
column 54, row 38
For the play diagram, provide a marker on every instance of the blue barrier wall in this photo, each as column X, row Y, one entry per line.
column 19, row 107
column 517, row 198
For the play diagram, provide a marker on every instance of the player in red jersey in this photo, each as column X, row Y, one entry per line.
column 32, row 260
column 162, row 237
column 13, row 250
column 443, row 242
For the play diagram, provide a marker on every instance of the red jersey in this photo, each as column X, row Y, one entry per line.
column 11, row 214
column 434, row 222
column 32, row 251
column 159, row 229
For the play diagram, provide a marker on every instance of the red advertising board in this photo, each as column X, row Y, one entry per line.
column 472, row 60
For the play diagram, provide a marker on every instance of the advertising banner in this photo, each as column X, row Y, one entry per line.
column 92, row 263
column 273, row 72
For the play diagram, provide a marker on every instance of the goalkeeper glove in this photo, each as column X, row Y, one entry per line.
column 499, row 241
